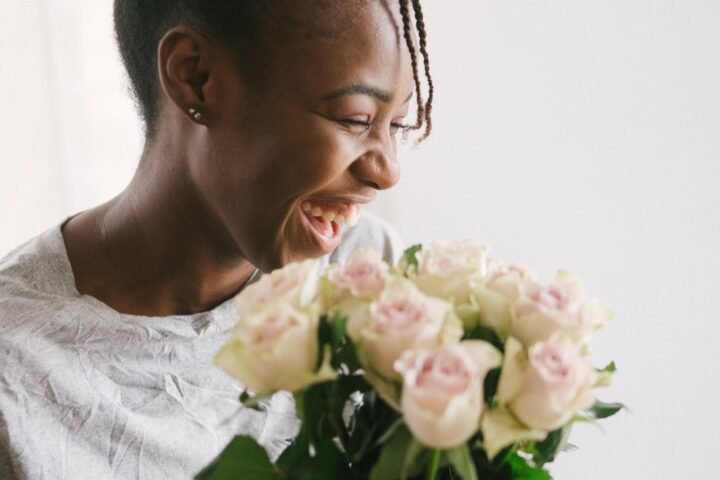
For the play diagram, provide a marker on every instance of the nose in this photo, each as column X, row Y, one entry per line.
column 378, row 167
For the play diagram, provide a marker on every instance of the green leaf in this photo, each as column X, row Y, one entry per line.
column 337, row 321
column 409, row 258
column 604, row 410
column 411, row 465
column 296, row 453
column 313, row 411
column 482, row 332
column 394, row 457
column 242, row 459
column 252, row 401
column 569, row 447
column 325, row 337
column 522, row 470
column 462, row 462
column 390, row 432
column 332, row 332
column 370, row 421
column 545, row 451
column 490, row 385
column 609, row 368
column 327, row 464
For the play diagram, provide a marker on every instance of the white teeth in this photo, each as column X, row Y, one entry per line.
column 350, row 218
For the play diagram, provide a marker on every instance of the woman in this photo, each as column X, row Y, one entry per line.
column 268, row 125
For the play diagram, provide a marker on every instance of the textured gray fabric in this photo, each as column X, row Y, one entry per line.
column 87, row 392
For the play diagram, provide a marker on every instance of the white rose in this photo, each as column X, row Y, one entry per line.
column 401, row 318
column 547, row 386
column 496, row 294
column 276, row 348
column 562, row 307
column 295, row 283
column 446, row 269
column 442, row 393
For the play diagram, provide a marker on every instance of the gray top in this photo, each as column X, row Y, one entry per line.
column 88, row 392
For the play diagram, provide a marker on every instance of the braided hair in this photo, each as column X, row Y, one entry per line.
column 140, row 24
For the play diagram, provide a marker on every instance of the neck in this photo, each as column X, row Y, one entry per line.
column 155, row 249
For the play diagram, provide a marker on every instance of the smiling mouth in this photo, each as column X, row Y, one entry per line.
column 325, row 220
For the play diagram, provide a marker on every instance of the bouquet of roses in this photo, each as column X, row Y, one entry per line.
column 449, row 364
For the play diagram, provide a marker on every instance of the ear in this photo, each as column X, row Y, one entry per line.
column 184, row 68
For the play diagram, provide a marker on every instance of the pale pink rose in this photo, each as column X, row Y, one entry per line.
column 547, row 386
column 444, row 258
column 402, row 317
column 295, row 283
column 364, row 273
column 275, row 348
column 497, row 292
column 442, row 393
column 506, row 279
column 562, row 307
column 446, row 269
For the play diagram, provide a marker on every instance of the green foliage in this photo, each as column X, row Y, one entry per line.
column 481, row 332
column 398, row 457
column 409, row 259
column 328, row 463
column 604, row 410
column 251, row 401
column 331, row 332
column 521, row 469
column 546, row 450
column 609, row 368
column 242, row 459
column 462, row 462
column 434, row 464
column 343, row 438
column 370, row 422
column 296, row 453
column 507, row 464
column 490, row 386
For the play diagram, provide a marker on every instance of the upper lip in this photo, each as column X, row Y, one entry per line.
column 346, row 199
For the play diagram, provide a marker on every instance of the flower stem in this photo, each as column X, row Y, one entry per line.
column 434, row 465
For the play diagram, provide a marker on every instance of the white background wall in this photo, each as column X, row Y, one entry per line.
column 575, row 133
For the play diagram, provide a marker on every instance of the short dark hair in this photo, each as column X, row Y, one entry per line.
column 141, row 24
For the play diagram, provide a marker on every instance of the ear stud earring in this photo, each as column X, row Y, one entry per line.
column 195, row 114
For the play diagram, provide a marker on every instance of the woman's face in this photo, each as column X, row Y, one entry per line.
column 315, row 145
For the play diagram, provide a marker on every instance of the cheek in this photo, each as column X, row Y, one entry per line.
column 311, row 159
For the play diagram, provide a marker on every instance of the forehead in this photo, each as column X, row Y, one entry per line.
column 350, row 43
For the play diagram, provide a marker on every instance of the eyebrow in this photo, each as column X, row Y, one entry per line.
column 363, row 89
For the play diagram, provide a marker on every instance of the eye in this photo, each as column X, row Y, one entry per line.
column 397, row 126
column 357, row 122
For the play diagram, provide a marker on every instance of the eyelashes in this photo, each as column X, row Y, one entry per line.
column 366, row 124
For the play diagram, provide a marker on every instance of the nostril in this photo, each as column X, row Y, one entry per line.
column 376, row 170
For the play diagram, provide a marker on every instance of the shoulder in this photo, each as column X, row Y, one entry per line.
column 371, row 231
column 35, row 282
column 40, row 264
